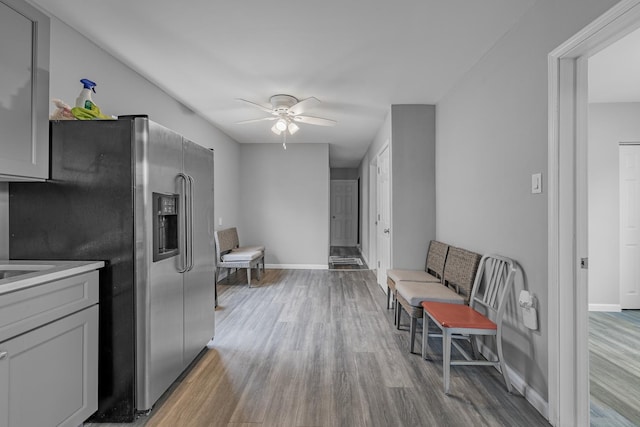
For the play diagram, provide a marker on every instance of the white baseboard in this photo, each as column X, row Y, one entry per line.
column 605, row 307
column 519, row 383
column 298, row 266
column 225, row 272
column 364, row 258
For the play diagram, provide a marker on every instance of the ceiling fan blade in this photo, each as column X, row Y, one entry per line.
column 263, row 108
column 256, row 120
column 314, row 120
column 303, row 106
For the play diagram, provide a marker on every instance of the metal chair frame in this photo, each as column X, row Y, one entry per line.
column 492, row 283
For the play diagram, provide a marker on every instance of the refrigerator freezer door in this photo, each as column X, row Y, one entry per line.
column 198, row 281
column 159, row 288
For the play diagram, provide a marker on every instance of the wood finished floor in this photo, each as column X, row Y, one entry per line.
column 614, row 364
column 318, row 348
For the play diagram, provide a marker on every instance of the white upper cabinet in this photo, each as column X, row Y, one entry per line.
column 24, row 92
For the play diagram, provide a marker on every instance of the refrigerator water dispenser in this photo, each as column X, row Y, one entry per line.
column 165, row 226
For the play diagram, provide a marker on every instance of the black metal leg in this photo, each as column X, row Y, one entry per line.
column 215, row 286
column 412, row 329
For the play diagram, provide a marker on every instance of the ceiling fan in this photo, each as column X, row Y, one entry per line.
column 287, row 110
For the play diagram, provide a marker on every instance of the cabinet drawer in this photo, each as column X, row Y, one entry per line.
column 49, row 376
column 29, row 308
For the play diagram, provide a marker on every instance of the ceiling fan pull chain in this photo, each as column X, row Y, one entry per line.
column 284, row 140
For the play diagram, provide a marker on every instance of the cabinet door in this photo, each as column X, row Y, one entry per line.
column 49, row 376
column 24, row 89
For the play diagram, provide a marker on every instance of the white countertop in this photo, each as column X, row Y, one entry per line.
column 44, row 271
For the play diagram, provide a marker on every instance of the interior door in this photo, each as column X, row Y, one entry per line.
column 199, row 298
column 629, row 226
column 344, row 211
column 373, row 214
column 384, row 218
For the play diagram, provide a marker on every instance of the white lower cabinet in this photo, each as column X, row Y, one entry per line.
column 49, row 376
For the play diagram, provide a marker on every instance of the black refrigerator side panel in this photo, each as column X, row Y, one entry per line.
column 85, row 212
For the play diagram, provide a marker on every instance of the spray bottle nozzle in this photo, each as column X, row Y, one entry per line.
column 88, row 84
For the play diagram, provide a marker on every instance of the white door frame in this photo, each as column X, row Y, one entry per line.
column 567, row 212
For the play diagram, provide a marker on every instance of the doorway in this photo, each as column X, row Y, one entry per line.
column 568, row 225
column 613, row 221
column 344, row 253
column 614, row 232
column 613, row 192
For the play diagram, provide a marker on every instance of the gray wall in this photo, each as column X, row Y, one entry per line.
column 120, row 91
column 609, row 124
column 284, row 202
column 410, row 131
column 344, row 173
column 413, row 213
column 491, row 136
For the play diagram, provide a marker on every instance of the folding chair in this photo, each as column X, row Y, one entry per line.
column 494, row 278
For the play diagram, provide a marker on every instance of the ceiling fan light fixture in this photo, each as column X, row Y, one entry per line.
column 275, row 129
column 293, row 128
column 281, row 125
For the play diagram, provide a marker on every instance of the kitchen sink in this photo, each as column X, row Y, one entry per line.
column 13, row 270
column 4, row 274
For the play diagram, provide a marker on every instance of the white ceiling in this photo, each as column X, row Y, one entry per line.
column 357, row 56
column 614, row 73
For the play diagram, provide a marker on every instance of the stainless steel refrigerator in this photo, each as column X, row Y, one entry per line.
column 140, row 197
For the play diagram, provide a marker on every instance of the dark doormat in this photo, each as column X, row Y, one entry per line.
column 346, row 263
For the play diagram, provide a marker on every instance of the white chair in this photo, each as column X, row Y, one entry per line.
column 492, row 283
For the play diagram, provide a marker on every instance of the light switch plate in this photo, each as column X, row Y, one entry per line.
column 536, row 183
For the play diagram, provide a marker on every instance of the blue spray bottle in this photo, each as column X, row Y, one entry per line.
column 84, row 99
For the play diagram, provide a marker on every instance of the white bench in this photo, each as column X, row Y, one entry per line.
column 229, row 254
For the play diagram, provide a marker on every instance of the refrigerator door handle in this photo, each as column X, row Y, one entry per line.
column 183, row 265
column 190, row 231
